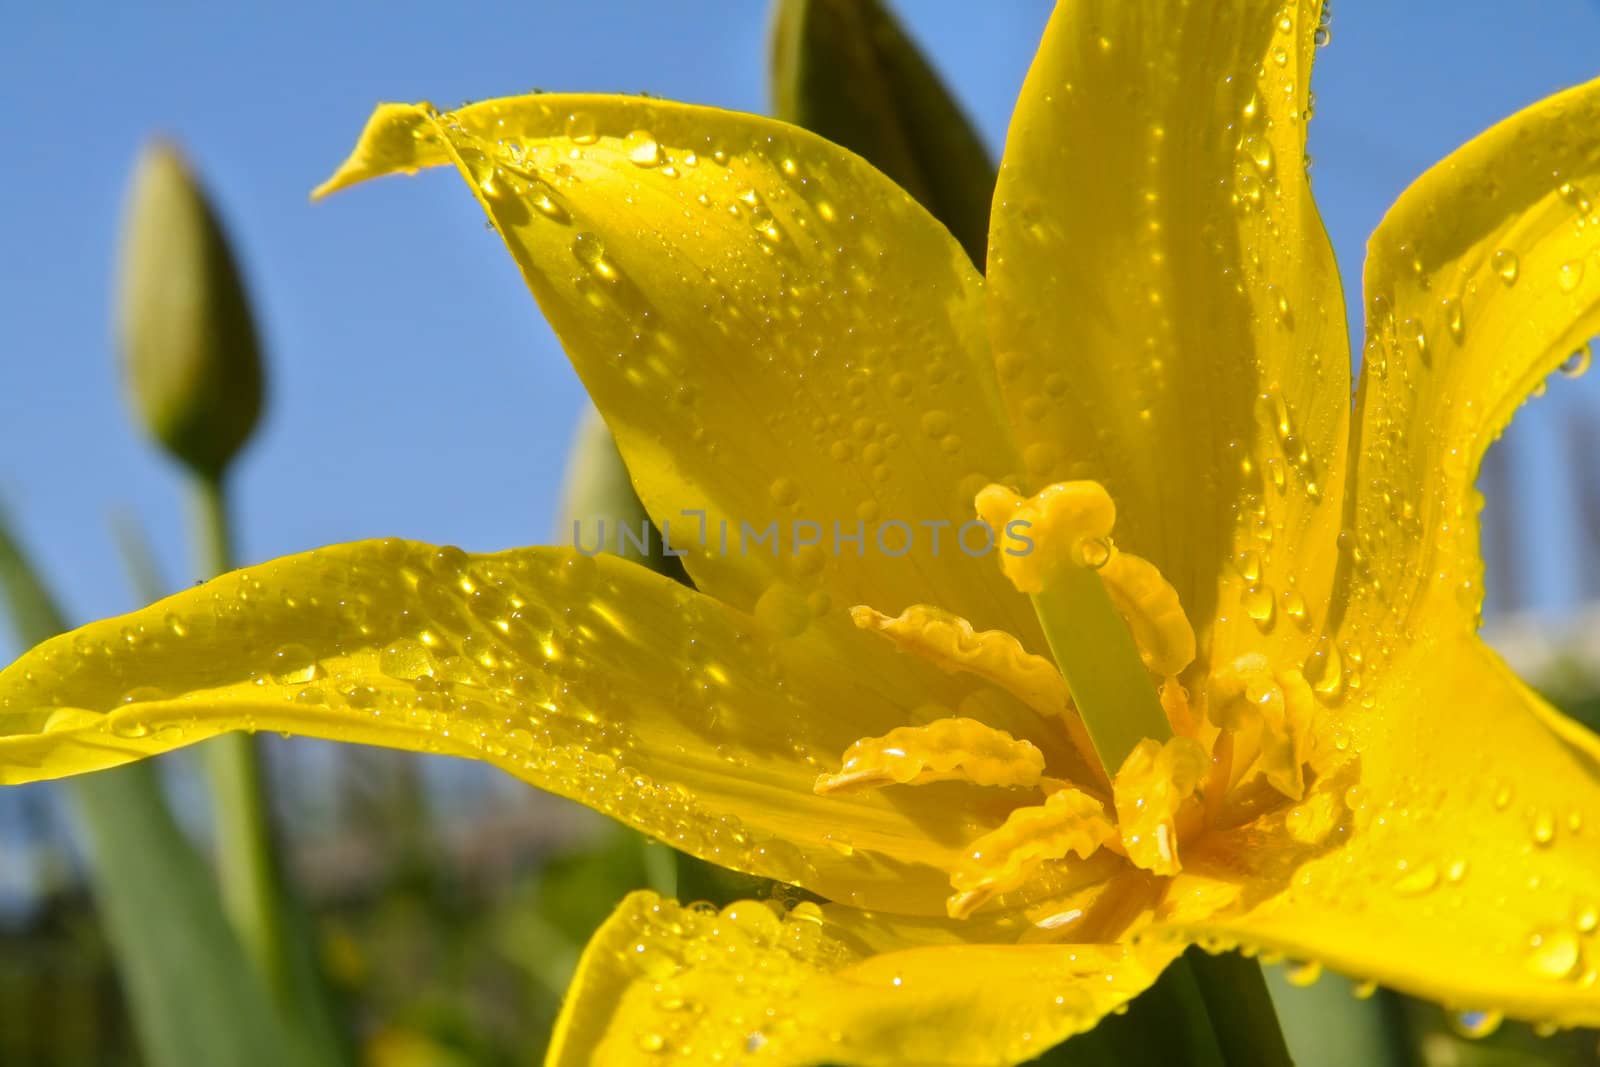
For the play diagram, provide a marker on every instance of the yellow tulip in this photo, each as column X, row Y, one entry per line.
column 1278, row 592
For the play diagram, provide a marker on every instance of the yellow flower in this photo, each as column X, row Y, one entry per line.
column 1323, row 759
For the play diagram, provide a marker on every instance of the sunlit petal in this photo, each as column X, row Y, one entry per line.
column 829, row 985
column 591, row 677
column 775, row 333
column 1164, row 308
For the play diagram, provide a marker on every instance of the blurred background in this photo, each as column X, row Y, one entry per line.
column 414, row 390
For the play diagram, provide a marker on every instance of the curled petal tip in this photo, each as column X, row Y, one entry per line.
column 396, row 138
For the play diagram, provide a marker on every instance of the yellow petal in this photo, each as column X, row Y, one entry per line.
column 590, row 677
column 828, row 985
column 1165, row 312
column 775, row 333
column 1481, row 280
column 1468, row 872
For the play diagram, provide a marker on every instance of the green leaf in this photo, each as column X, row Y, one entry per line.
column 194, row 998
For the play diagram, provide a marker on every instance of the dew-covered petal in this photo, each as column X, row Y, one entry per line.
column 775, row 333
column 664, row 983
column 1164, row 309
column 590, row 677
column 1459, row 864
column 1482, row 279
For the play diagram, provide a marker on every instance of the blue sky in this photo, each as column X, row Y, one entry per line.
column 415, row 389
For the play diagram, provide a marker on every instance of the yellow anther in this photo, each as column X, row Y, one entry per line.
column 943, row 750
column 1150, row 606
column 1003, row 859
column 949, row 641
column 1270, row 716
column 1154, row 782
column 1066, row 524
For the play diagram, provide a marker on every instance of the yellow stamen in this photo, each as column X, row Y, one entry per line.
column 943, row 750
column 1069, row 821
column 1269, row 715
column 950, row 642
column 1154, row 782
column 1149, row 605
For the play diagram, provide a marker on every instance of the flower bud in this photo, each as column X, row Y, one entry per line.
column 846, row 70
column 184, row 331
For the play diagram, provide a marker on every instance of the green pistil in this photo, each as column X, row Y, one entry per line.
column 1096, row 654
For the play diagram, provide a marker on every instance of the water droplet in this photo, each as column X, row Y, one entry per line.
column 652, row 1042
column 1453, row 318
column 1506, row 265
column 1302, row 972
column 545, row 203
column 1294, row 606
column 1094, row 552
column 1554, row 952
column 1364, row 990
column 1543, row 828
column 1250, row 566
column 1412, row 332
column 581, row 128
column 642, row 150
column 783, row 491
column 1577, row 364
column 1260, row 152
column 1476, row 1024
column 591, row 252
column 1416, row 880
column 293, row 665
column 406, row 660
column 1326, row 671
column 1258, row 604
column 1570, row 276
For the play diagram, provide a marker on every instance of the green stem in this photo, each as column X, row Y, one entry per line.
column 1110, row 684
column 1204, row 1011
column 1242, row 1014
column 246, row 860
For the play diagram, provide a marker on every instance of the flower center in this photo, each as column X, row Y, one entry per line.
column 1159, row 765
